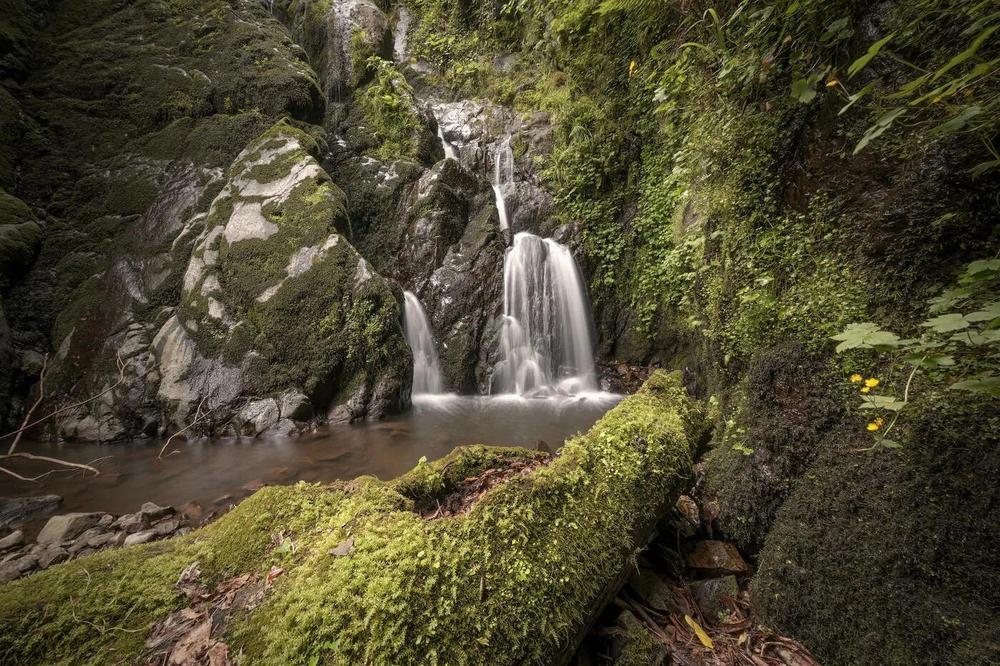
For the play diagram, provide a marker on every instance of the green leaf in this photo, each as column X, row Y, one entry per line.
column 865, row 336
column 853, row 99
column 887, row 402
column 983, row 167
column 946, row 323
column 803, row 91
column 889, row 443
column 879, row 128
column 985, row 385
column 988, row 313
column 959, row 121
column 966, row 54
column 873, row 50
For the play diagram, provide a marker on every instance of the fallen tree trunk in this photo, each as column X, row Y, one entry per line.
column 488, row 556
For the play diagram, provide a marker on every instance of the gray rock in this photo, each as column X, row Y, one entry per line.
column 101, row 540
column 9, row 572
column 84, row 539
column 259, row 415
column 67, row 527
column 53, row 555
column 132, row 522
column 12, row 540
column 654, row 590
column 18, row 510
column 283, row 428
column 166, row 527
column 709, row 595
column 106, row 520
column 27, row 563
column 139, row 537
column 294, row 405
column 154, row 512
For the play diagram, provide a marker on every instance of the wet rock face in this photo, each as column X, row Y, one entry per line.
column 338, row 36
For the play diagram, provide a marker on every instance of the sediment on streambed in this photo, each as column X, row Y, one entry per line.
column 361, row 572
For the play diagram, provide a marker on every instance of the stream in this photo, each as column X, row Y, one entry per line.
column 217, row 472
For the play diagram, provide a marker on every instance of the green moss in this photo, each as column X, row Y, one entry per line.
column 893, row 550
column 508, row 582
column 389, row 110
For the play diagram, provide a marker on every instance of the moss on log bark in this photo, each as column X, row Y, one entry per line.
column 514, row 579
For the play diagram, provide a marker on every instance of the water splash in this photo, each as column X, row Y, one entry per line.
column 417, row 330
column 546, row 341
column 503, row 174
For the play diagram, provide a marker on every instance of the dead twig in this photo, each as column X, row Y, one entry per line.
column 38, row 401
column 122, row 365
column 198, row 416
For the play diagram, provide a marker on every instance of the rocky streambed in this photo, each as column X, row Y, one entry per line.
column 71, row 535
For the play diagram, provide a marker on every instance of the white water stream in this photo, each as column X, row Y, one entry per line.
column 417, row 330
column 503, row 174
column 546, row 341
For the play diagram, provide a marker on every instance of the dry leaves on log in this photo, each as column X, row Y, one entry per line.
column 190, row 635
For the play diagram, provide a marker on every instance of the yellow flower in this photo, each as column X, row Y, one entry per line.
column 865, row 389
column 832, row 82
column 872, row 427
column 871, row 382
column 855, row 378
column 631, row 69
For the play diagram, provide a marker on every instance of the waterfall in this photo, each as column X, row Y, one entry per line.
column 416, row 328
column 449, row 150
column 503, row 173
column 546, row 341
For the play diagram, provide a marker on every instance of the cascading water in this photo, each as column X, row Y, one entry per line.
column 503, row 173
column 546, row 340
column 449, row 150
column 417, row 330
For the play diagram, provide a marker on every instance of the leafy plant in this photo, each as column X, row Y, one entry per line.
column 959, row 346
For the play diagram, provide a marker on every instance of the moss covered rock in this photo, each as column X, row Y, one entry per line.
column 271, row 265
column 371, row 575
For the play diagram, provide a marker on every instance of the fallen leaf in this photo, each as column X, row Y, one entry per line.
column 344, row 548
column 699, row 632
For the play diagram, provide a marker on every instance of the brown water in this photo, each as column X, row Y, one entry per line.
column 219, row 471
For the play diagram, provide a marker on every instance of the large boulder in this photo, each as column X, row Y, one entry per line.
column 270, row 265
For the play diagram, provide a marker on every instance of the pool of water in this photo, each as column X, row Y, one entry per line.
column 216, row 472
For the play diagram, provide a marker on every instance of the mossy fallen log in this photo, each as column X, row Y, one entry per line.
column 371, row 572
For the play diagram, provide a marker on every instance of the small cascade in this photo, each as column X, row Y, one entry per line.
column 449, row 150
column 417, row 330
column 503, row 174
column 546, row 341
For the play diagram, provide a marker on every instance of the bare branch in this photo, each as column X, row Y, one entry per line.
column 38, row 401
column 55, row 461
column 27, row 426
column 198, row 416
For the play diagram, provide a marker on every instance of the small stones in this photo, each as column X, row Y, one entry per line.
column 154, row 512
column 67, row 526
column 52, row 555
column 140, row 537
column 717, row 557
column 74, row 535
column 12, row 540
